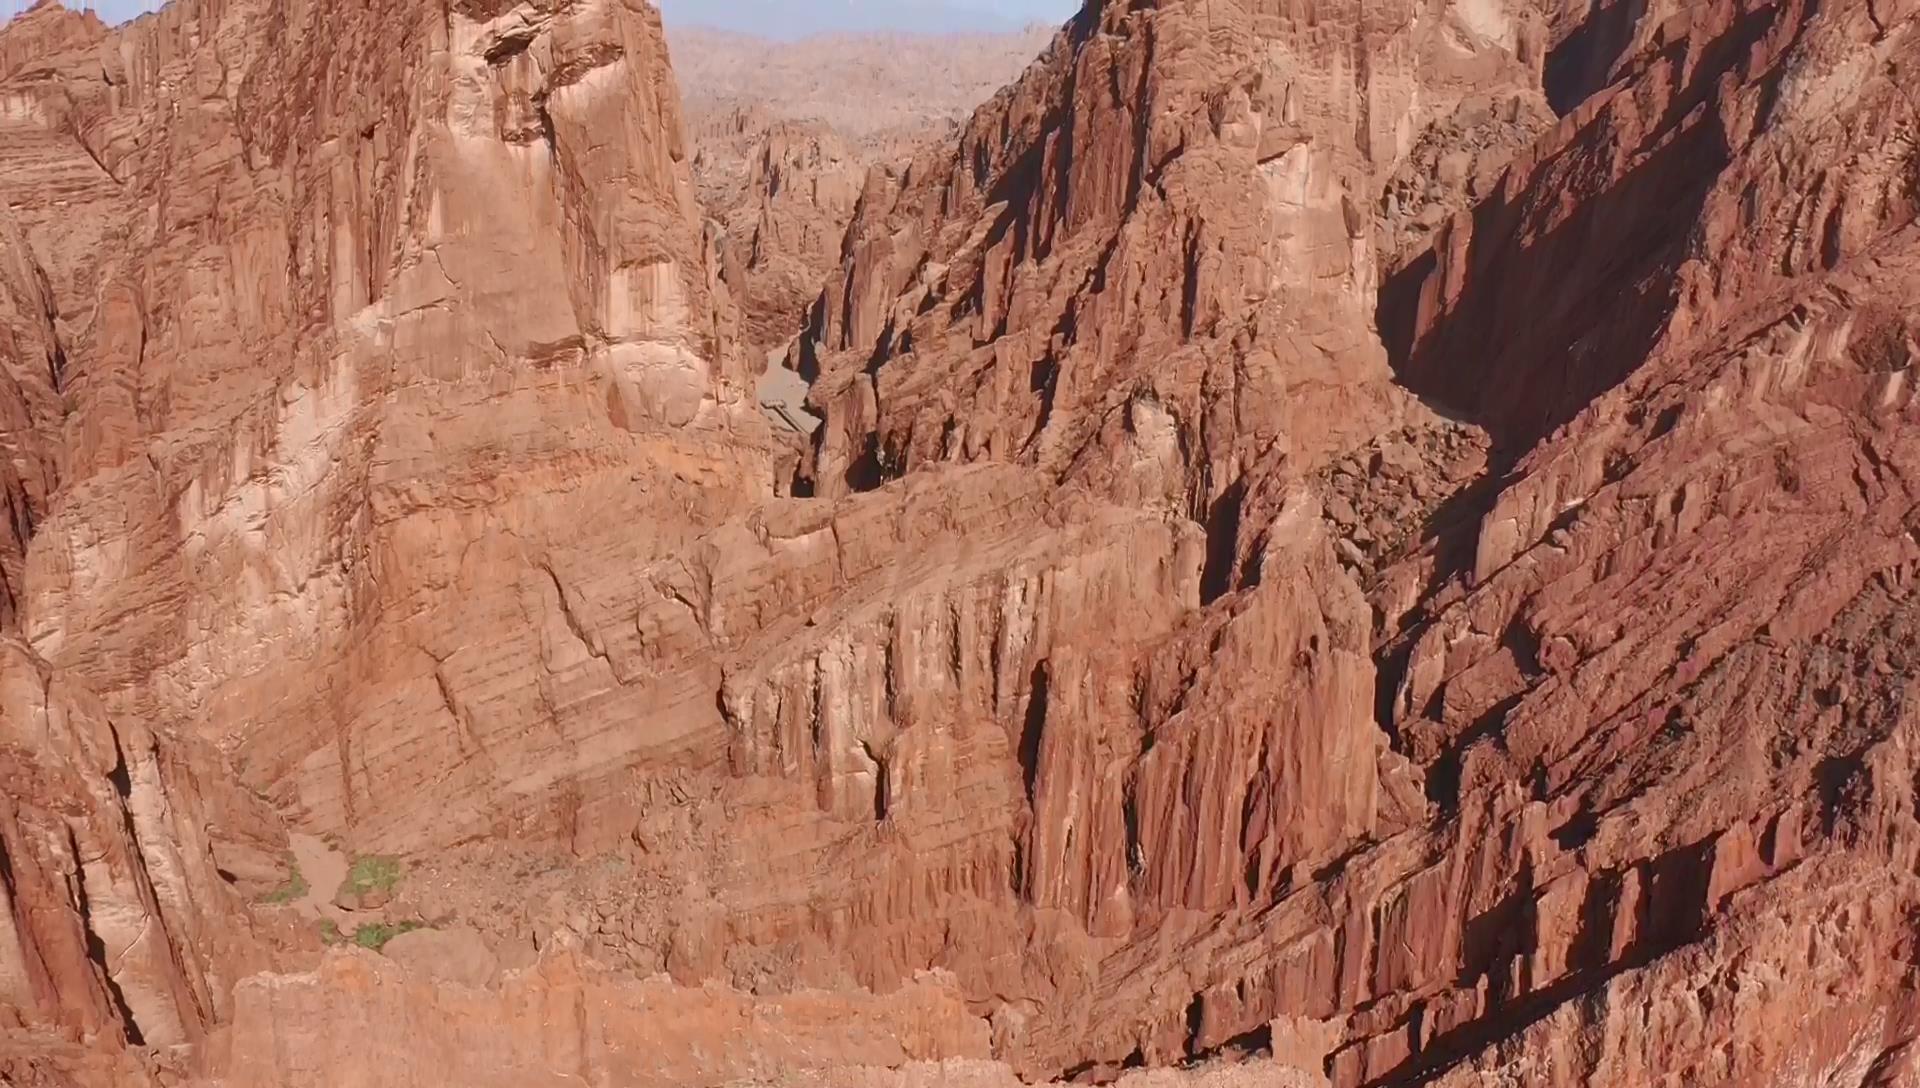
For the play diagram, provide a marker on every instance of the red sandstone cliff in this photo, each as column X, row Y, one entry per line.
column 1625, row 663
column 1376, row 536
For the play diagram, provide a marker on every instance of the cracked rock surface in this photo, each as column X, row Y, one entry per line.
column 1351, row 544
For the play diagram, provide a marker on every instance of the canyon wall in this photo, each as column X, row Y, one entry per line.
column 1372, row 537
column 1639, row 697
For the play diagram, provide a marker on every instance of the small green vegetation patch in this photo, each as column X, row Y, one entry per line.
column 375, row 935
column 370, row 874
column 293, row 890
column 330, row 933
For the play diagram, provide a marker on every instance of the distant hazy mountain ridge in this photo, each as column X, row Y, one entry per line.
column 785, row 19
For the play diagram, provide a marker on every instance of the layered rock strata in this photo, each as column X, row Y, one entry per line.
column 381, row 448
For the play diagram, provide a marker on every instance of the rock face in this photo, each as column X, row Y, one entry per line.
column 1169, row 217
column 1639, row 657
column 784, row 217
column 566, row 1022
column 475, row 283
column 1376, row 536
column 113, row 916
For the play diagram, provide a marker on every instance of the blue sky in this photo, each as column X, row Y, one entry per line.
column 766, row 16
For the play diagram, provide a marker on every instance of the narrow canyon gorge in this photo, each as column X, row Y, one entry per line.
column 1341, row 543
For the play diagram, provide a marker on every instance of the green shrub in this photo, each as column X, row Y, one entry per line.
column 375, row 935
column 370, row 874
column 330, row 933
column 293, row 890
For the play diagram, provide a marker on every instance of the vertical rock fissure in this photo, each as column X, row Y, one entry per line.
column 545, row 117
column 1389, row 671
column 50, row 310
column 1130, row 818
column 881, row 783
column 159, row 925
column 1223, row 543
column 1033, row 728
column 97, row 948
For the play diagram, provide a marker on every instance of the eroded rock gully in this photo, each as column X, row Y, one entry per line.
column 785, row 135
column 1350, row 543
